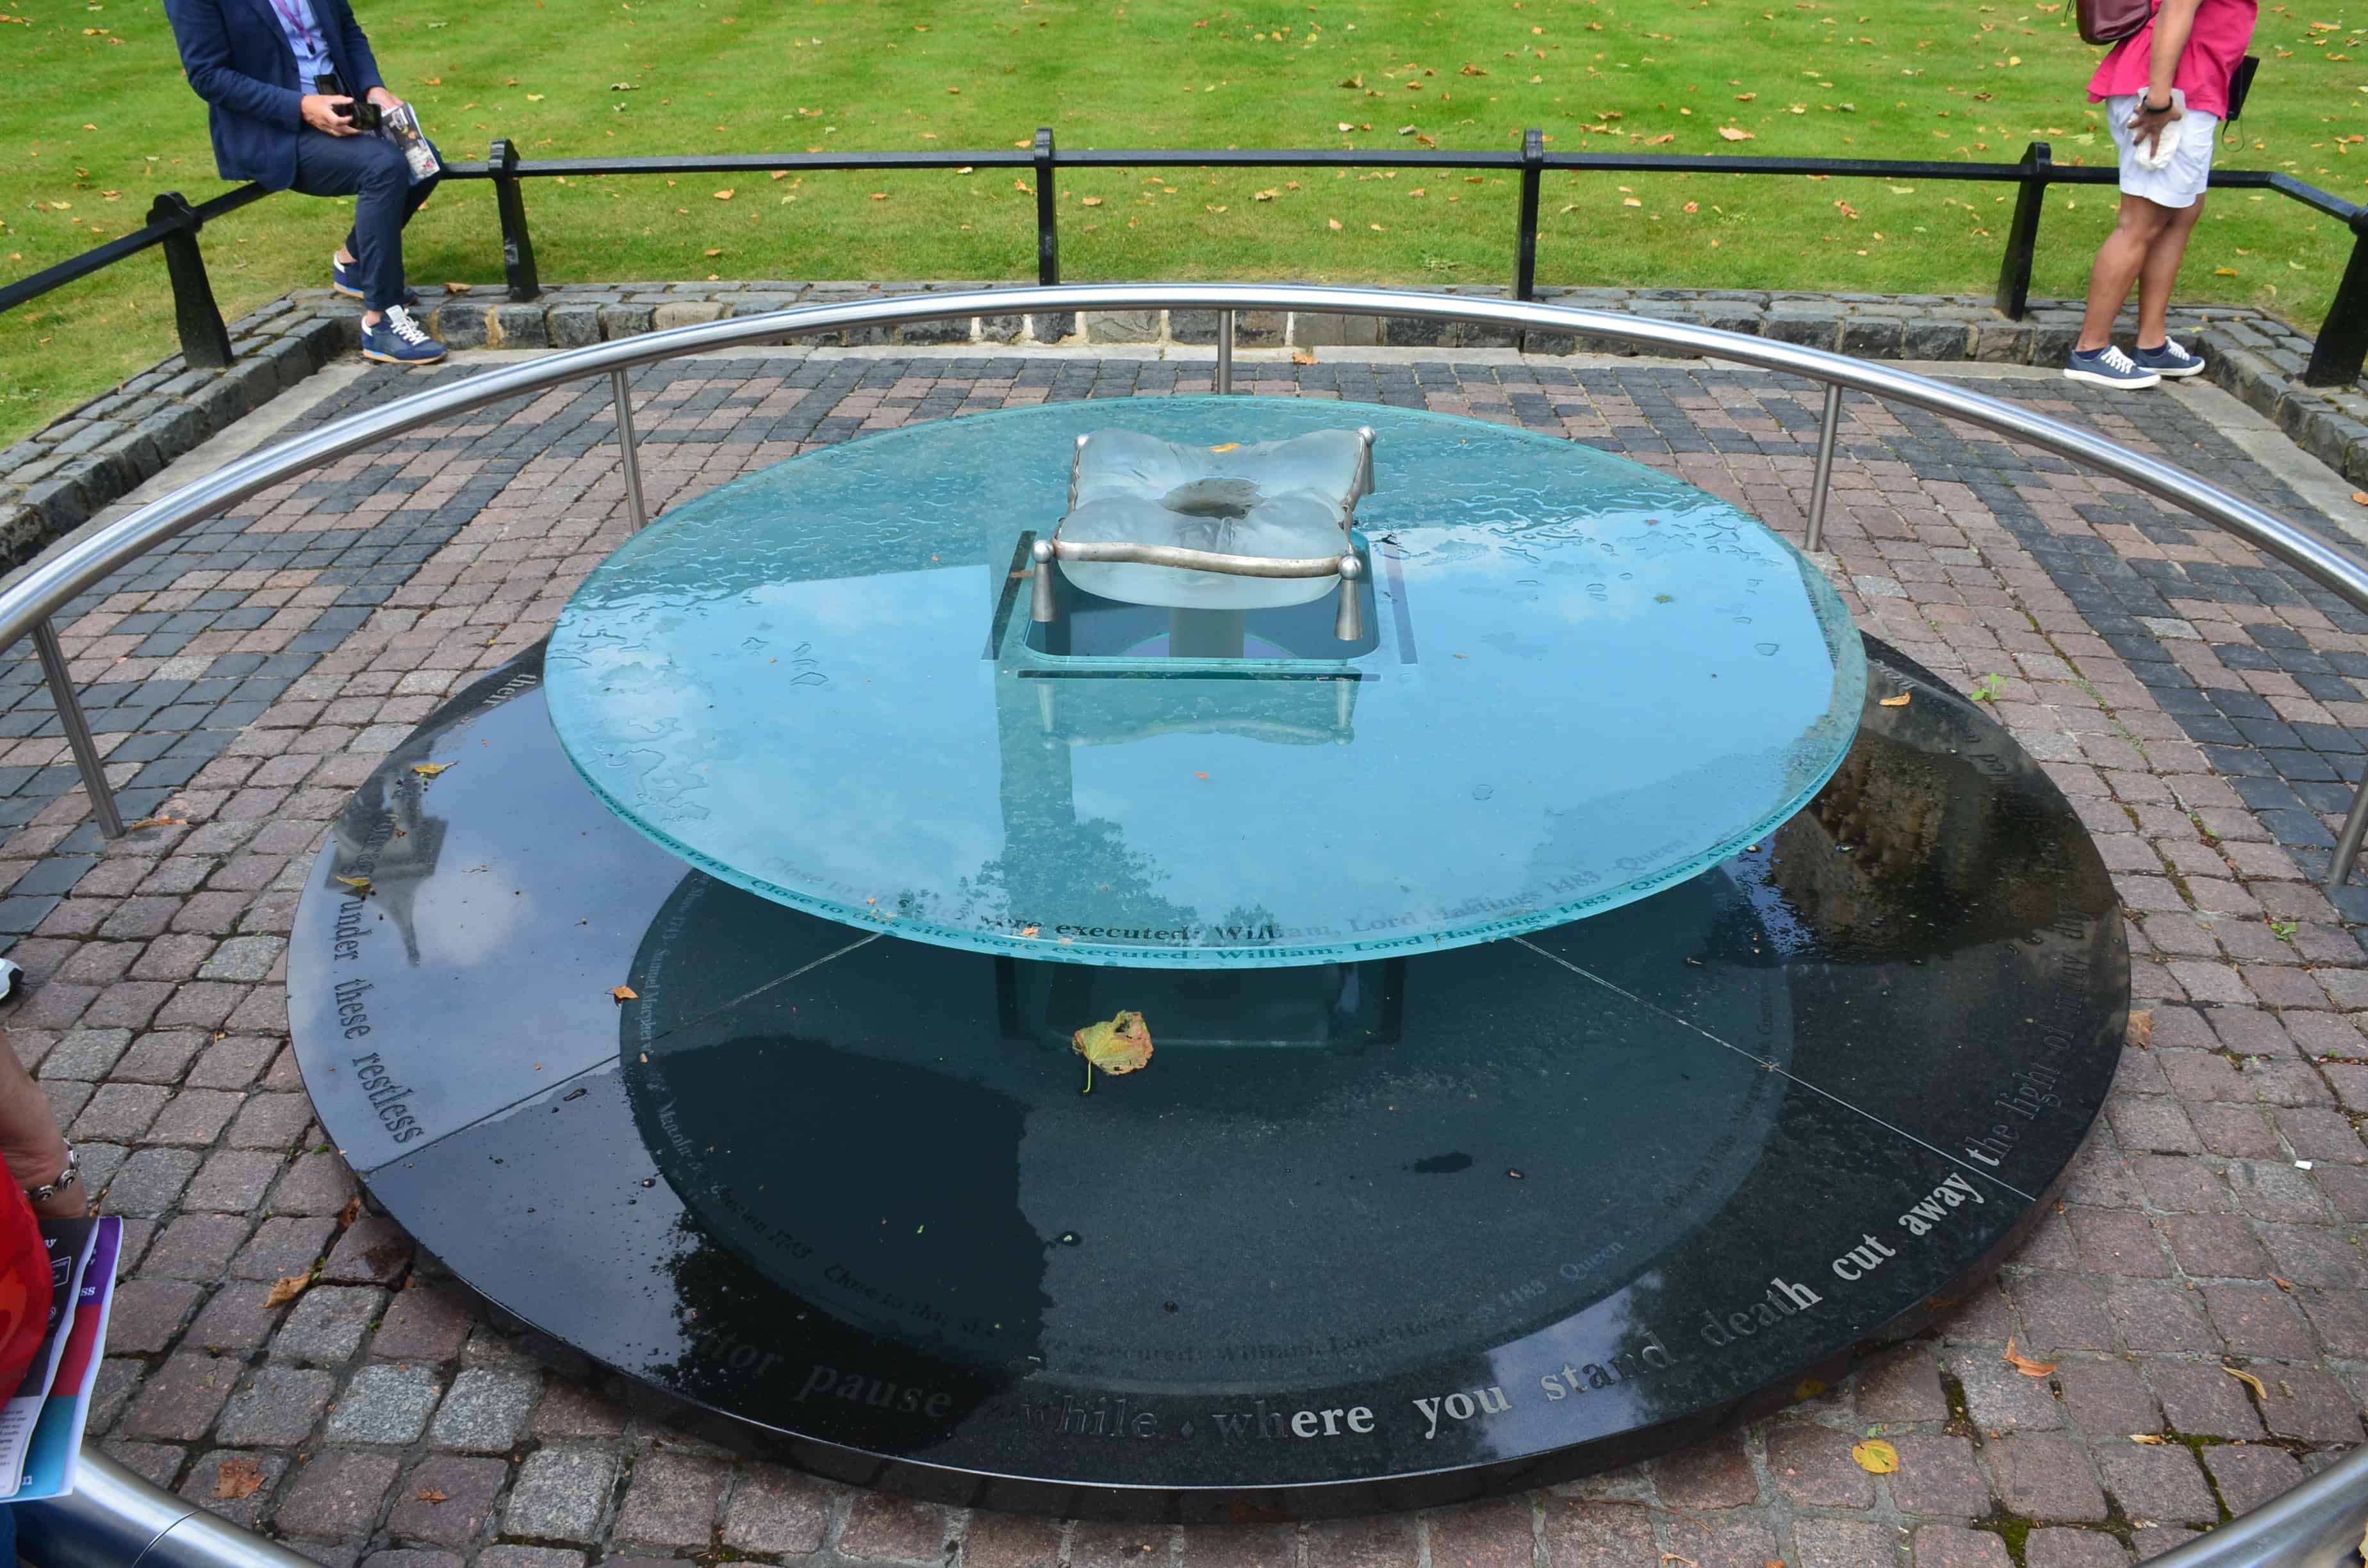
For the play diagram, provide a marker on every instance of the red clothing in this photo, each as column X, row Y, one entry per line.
column 25, row 1288
column 2223, row 28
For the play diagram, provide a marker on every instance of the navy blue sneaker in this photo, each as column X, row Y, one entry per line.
column 345, row 277
column 2169, row 359
column 2109, row 367
column 397, row 338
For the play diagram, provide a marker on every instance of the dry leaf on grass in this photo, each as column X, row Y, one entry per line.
column 2024, row 1364
column 286, row 1289
column 238, row 1478
column 1899, row 701
column 2141, row 1032
column 624, row 992
column 2249, row 1381
column 1877, row 1456
column 1735, row 133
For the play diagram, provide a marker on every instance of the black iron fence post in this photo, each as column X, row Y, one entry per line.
column 205, row 342
column 2342, row 348
column 517, row 245
column 1048, row 234
column 2023, row 239
column 1525, row 254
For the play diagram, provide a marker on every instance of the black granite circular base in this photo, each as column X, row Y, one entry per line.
column 1361, row 1236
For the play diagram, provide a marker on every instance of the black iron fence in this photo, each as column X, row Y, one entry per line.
column 173, row 222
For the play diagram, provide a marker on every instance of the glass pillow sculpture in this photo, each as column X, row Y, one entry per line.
column 1286, row 500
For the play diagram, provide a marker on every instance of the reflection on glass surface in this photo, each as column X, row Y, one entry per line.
column 1579, row 681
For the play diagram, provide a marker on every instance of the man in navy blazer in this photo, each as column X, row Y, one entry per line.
column 259, row 66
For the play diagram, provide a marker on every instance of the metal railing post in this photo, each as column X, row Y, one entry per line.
column 1823, row 484
column 2347, row 846
column 1525, row 252
column 1225, row 352
column 2022, row 237
column 627, row 456
column 517, row 245
column 1048, row 234
column 205, row 342
column 2342, row 348
column 77, row 729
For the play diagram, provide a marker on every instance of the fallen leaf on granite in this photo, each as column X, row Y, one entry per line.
column 2024, row 1364
column 430, row 769
column 624, row 992
column 2142, row 1030
column 286, row 1289
column 2249, row 1381
column 1302, row 357
column 2285, row 1284
column 1122, row 1045
column 2360, row 496
column 350, row 1213
column 155, row 821
column 1899, row 701
column 430, row 1495
column 238, row 1478
column 1877, row 1456
column 2148, row 1439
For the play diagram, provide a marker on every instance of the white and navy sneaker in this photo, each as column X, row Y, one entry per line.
column 2109, row 367
column 2169, row 359
column 345, row 277
column 397, row 338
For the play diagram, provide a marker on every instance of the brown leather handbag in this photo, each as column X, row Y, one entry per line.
column 2110, row 21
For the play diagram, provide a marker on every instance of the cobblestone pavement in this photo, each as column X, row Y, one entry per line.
column 2202, row 710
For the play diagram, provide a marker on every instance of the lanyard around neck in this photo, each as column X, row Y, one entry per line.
column 294, row 17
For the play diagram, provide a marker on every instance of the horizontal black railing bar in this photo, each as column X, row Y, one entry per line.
column 2336, row 358
column 79, row 267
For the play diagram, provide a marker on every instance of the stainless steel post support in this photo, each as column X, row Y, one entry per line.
column 626, row 442
column 1348, row 622
column 1823, row 485
column 1225, row 353
column 77, row 729
column 2347, row 847
column 1045, row 601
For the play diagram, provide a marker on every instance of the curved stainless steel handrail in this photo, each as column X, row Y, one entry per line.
column 2313, row 1518
column 27, row 605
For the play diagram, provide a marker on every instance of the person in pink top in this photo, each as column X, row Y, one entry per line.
column 2165, row 89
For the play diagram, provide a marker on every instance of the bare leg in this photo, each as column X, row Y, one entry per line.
column 2119, row 261
column 2160, row 271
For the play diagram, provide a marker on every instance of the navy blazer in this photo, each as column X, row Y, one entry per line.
column 237, row 58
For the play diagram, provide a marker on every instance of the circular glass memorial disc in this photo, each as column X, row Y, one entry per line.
column 1569, row 680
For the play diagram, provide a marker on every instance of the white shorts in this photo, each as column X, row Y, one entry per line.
column 2178, row 182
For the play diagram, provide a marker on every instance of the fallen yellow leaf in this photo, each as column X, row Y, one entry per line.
column 431, row 1495
column 1228, row 447
column 430, row 769
column 359, row 885
column 1089, row 201
column 1122, row 1045
column 624, row 992
column 458, row 288
column 2360, row 496
column 1736, row 133
column 534, row 97
column 1899, row 701
column 1303, row 356
column 1332, row 223
column 286, row 1289
column 723, row 196
column 2141, row 1030
column 2249, row 1381
column 1877, row 1456
column 2148, row 1439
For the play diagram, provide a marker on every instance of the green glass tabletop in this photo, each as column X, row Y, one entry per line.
column 1571, row 680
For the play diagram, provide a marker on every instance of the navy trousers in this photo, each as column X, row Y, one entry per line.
column 370, row 168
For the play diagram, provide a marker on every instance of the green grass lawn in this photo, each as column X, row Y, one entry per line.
column 99, row 119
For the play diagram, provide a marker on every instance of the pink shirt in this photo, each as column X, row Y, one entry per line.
column 2223, row 28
